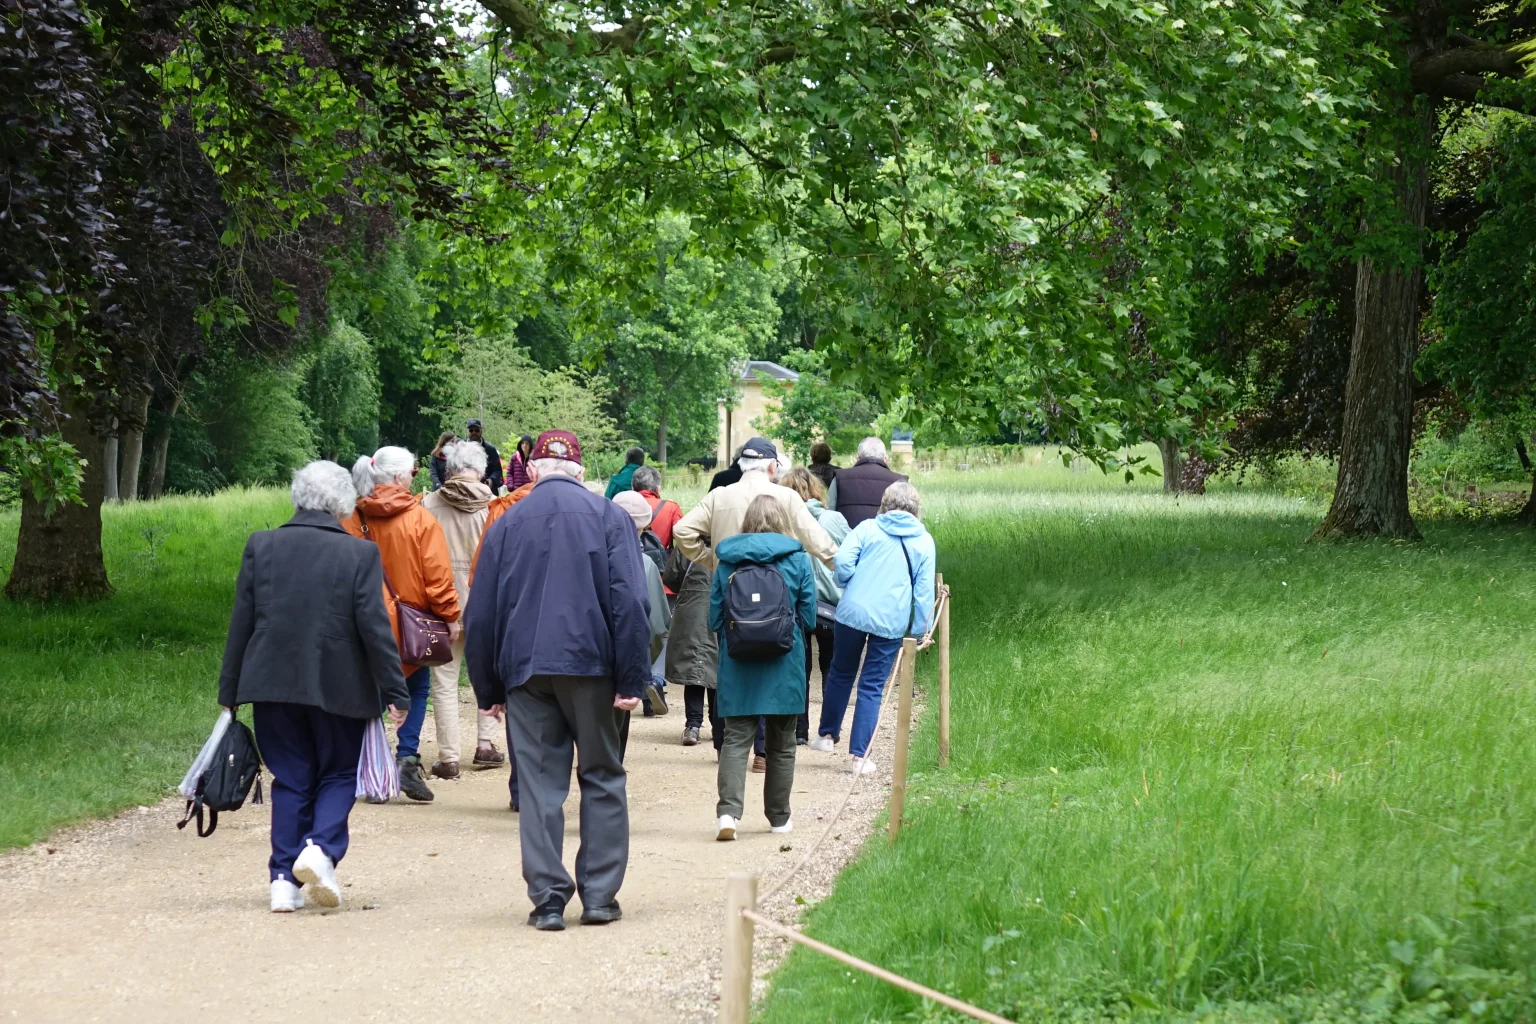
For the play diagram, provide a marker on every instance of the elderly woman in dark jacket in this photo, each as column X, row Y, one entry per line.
column 311, row 650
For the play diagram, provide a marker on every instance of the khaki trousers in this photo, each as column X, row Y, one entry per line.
column 445, row 709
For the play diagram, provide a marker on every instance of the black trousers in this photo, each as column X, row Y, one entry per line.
column 823, row 637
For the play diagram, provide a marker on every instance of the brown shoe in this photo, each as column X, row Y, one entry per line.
column 759, row 763
column 489, row 757
column 445, row 769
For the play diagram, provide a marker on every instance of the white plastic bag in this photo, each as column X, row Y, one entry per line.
column 377, row 776
column 188, row 787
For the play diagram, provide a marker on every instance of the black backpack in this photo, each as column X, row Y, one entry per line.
column 225, row 784
column 759, row 615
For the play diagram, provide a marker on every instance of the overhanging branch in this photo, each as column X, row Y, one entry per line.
column 1430, row 70
column 525, row 27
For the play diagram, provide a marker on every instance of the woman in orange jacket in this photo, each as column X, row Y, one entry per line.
column 416, row 563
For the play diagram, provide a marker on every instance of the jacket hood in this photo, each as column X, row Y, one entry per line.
column 900, row 524
column 387, row 501
column 761, row 548
column 814, row 506
column 466, row 495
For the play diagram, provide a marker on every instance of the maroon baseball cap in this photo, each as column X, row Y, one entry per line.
column 557, row 444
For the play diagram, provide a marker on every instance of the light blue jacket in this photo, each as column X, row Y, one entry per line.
column 837, row 528
column 878, row 596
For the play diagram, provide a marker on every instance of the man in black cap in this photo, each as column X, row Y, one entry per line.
column 492, row 457
column 692, row 649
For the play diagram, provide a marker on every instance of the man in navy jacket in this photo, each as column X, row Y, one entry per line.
column 559, row 641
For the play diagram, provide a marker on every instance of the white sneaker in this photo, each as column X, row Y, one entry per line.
column 727, row 826
column 865, row 766
column 788, row 826
column 317, row 871
column 822, row 743
column 286, row 897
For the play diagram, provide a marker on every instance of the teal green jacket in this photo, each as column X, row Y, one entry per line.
column 621, row 481
column 774, row 687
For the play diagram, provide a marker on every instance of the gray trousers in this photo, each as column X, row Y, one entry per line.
column 731, row 780
column 547, row 716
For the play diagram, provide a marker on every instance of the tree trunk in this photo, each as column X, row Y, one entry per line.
column 661, row 437
column 1377, row 437
column 161, row 450
column 1173, row 466
column 133, row 450
column 109, row 465
column 59, row 557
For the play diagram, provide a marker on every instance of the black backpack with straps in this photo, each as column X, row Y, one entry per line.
column 759, row 614
column 226, row 782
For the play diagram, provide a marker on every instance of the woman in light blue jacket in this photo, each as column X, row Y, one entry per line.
column 885, row 567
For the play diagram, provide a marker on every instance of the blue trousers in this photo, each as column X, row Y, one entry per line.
column 312, row 755
column 409, row 733
column 848, row 645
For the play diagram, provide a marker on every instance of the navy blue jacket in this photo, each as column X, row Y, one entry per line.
column 559, row 590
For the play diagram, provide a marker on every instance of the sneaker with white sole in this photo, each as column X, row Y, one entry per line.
column 825, row 744
column 727, row 828
column 865, row 766
column 286, row 897
column 788, row 826
column 318, row 871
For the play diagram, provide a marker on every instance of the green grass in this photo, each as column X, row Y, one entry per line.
column 102, row 706
column 1203, row 770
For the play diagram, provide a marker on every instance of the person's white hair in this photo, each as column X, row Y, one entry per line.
column 565, row 467
column 385, row 466
column 871, row 449
column 748, row 465
column 465, row 456
column 901, row 496
column 323, row 486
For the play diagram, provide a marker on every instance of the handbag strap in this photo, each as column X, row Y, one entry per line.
column 368, row 535
column 912, row 609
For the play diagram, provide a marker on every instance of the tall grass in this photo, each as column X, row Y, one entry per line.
column 1203, row 768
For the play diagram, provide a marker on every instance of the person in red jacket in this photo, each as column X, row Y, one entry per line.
column 665, row 514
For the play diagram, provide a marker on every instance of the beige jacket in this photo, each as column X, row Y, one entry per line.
column 460, row 507
column 720, row 514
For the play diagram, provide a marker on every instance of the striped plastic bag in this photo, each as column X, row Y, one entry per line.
column 377, row 776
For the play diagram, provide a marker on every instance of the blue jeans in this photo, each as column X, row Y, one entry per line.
column 409, row 733
column 312, row 755
column 847, row 646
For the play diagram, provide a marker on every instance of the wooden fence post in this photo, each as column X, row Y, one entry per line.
column 903, row 735
column 736, row 968
column 943, row 630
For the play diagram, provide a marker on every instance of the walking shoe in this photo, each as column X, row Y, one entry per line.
column 286, row 897
column 801, row 741
column 788, row 826
column 411, row 782
column 727, row 828
column 512, row 806
column 657, row 699
column 605, row 914
column 318, row 871
column 759, row 763
column 487, row 756
column 691, row 736
column 370, row 799
column 825, row 744
column 548, row 918
column 865, row 766
column 445, row 769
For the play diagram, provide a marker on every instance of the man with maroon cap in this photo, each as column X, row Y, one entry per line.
column 561, row 646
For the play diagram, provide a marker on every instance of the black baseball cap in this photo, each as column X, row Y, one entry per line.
column 759, row 448
column 472, row 424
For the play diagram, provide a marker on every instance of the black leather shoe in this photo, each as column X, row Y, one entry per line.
column 601, row 915
column 411, row 782
column 549, row 918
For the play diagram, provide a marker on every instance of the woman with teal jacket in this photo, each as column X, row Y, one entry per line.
column 774, row 688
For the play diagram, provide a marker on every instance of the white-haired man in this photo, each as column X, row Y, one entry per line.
column 559, row 640
column 692, row 649
column 857, row 490
column 459, row 507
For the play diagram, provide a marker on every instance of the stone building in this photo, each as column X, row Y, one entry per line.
column 735, row 422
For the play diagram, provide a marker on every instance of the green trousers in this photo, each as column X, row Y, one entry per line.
column 780, row 780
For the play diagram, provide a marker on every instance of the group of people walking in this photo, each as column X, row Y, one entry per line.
column 580, row 609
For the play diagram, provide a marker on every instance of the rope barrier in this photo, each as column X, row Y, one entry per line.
column 884, row 975
column 885, row 692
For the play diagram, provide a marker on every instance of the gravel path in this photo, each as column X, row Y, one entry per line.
column 131, row 920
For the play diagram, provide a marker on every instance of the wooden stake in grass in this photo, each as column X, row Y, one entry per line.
column 943, row 630
column 903, row 735
column 736, row 966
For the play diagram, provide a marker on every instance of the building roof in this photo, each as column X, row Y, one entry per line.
column 752, row 367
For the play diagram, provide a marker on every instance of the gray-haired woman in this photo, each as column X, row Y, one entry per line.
column 311, row 650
